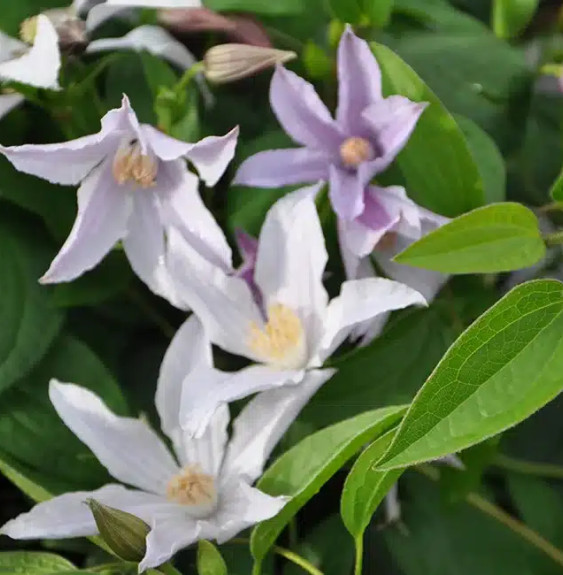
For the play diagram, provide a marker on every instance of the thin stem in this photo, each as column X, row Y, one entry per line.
column 189, row 75
column 492, row 510
column 552, row 207
column 554, row 239
column 529, row 467
column 358, row 566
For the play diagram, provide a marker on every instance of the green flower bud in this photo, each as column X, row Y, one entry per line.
column 124, row 533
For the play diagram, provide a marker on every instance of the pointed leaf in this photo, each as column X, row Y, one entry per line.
column 30, row 563
column 209, row 560
column 511, row 17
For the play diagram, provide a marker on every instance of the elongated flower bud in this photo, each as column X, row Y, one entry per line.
column 124, row 533
column 231, row 62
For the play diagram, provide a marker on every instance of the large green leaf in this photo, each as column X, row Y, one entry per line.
column 29, row 320
column 506, row 366
column 437, row 165
column 30, row 563
column 304, row 469
column 496, row 238
column 209, row 560
column 366, row 487
column 510, row 17
column 35, row 442
column 278, row 8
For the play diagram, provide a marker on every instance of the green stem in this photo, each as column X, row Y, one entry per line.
column 188, row 76
column 554, row 239
column 528, row 467
column 552, row 207
column 358, row 566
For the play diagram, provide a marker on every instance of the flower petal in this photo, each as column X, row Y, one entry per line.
column 101, row 222
column 362, row 300
column 205, row 389
column 302, row 113
column 129, row 449
column 243, row 506
column 184, row 209
column 292, row 258
column 263, row 422
column 359, row 81
column 346, row 193
column 8, row 102
column 67, row 515
column 275, row 168
column 169, row 535
column 70, row 162
column 38, row 67
column 210, row 156
column 391, row 122
column 10, row 47
column 223, row 303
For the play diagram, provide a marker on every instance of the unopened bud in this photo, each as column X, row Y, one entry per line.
column 231, row 62
column 124, row 533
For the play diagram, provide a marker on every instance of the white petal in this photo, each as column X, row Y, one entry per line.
column 263, row 422
column 10, row 47
column 129, row 449
column 167, row 536
column 243, row 506
column 154, row 39
column 101, row 221
column 223, row 303
column 184, row 209
column 292, row 257
column 8, row 102
column 70, row 162
column 102, row 12
column 67, row 515
column 205, row 389
column 189, row 347
column 40, row 66
column 362, row 300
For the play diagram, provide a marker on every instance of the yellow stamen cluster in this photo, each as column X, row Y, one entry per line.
column 356, row 151
column 28, row 30
column 194, row 488
column 281, row 342
column 131, row 165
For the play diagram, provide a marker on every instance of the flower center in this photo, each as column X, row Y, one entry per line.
column 28, row 30
column 195, row 489
column 356, row 151
column 131, row 165
column 281, row 342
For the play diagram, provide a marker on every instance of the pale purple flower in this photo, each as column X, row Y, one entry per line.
column 200, row 490
column 282, row 319
column 134, row 184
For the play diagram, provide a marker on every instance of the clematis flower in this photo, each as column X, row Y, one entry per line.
column 36, row 66
column 200, row 491
column 289, row 328
column 134, row 183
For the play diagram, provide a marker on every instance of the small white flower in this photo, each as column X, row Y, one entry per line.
column 282, row 319
column 203, row 491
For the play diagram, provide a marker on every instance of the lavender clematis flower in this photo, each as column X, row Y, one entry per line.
column 200, row 491
column 289, row 328
column 134, row 185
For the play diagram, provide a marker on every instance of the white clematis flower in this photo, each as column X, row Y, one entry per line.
column 202, row 491
column 134, row 184
column 36, row 66
column 282, row 320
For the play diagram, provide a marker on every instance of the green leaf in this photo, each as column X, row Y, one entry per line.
column 366, row 487
column 30, row 322
column 278, row 8
column 488, row 158
column 496, row 238
column 209, row 560
column 557, row 188
column 436, row 164
column 304, row 469
column 511, row 17
column 377, row 12
column 35, row 442
column 346, row 10
column 31, row 563
column 502, row 369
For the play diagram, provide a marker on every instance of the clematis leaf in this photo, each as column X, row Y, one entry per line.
column 496, row 238
column 506, row 366
column 511, row 17
column 30, row 322
column 278, row 8
column 305, row 468
column 366, row 487
column 437, row 164
column 209, row 560
column 557, row 188
column 33, row 563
